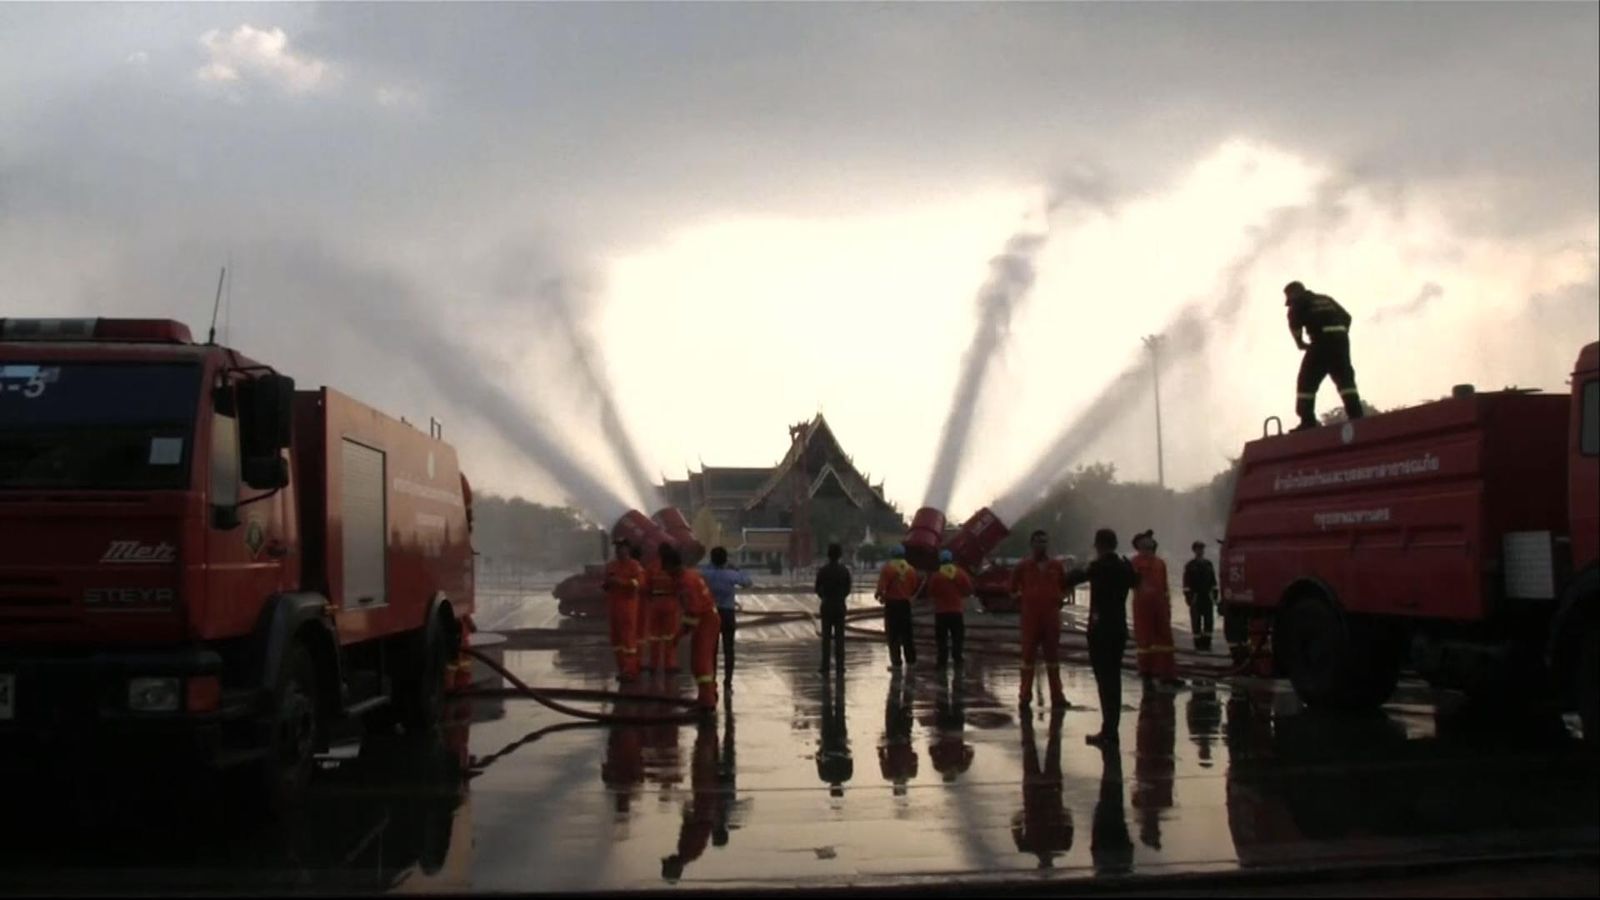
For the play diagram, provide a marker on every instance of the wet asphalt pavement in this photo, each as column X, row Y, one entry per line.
column 925, row 782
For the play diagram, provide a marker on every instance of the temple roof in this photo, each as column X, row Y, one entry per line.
column 837, row 475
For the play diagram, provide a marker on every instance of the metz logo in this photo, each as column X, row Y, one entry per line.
column 138, row 552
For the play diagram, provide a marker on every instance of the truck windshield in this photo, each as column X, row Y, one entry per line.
column 121, row 426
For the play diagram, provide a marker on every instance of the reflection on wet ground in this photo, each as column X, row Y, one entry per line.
column 780, row 790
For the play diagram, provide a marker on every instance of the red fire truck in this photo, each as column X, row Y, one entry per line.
column 197, row 558
column 1457, row 538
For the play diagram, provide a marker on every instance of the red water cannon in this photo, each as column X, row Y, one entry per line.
column 976, row 539
column 639, row 531
column 924, row 539
column 677, row 527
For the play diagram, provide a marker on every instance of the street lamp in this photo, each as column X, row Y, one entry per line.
column 1153, row 344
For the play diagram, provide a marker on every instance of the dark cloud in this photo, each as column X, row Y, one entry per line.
column 580, row 130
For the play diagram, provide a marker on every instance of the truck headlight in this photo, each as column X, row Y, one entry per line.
column 154, row 694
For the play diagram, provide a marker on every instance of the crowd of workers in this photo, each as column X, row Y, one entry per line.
column 653, row 607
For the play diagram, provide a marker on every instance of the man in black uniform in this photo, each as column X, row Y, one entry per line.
column 1110, row 578
column 1200, row 589
column 833, row 586
column 1327, row 355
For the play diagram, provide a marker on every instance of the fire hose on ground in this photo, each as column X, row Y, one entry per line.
column 547, row 697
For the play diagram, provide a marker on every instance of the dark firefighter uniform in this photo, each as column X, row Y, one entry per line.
column 1153, row 764
column 1200, row 590
column 700, row 818
column 1110, row 578
column 1327, row 355
column 1044, row 825
column 834, row 764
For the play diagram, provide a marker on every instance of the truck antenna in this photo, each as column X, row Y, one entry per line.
column 215, row 304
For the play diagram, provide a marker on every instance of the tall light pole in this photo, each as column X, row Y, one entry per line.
column 1153, row 344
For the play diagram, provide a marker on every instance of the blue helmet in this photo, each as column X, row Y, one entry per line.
column 898, row 551
column 946, row 556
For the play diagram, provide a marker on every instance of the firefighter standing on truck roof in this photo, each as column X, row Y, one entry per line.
column 700, row 623
column 1152, row 614
column 1328, row 354
column 949, row 587
column 623, row 578
column 1040, row 585
column 897, row 584
column 1200, row 591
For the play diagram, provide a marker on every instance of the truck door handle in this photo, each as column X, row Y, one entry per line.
column 277, row 550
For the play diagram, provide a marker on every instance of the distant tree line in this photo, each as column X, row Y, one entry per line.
column 518, row 531
column 1091, row 497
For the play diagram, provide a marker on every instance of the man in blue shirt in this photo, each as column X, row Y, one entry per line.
column 724, row 581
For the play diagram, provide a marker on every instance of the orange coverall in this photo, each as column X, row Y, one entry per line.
column 948, row 587
column 623, row 579
column 664, row 610
column 897, row 585
column 1043, row 827
column 704, row 812
column 1152, row 617
column 1043, row 589
column 701, row 620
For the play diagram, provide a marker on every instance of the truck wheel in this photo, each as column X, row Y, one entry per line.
column 1334, row 662
column 1588, row 688
column 1377, row 651
column 419, row 696
column 296, row 730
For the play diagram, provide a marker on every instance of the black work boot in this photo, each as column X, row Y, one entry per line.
column 1352, row 407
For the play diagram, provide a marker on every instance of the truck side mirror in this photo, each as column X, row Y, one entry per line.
column 266, row 417
column 265, row 473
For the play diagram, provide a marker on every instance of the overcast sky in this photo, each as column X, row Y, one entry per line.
column 764, row 210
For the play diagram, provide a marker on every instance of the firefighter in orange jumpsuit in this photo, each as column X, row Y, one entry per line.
column 951, row 754
column 1040, row 585
column 1152, row 614
column 1044, row 825
column 897, row 757
column 700, row 623
column 622, row 771
column 1153, row 764
column 897, row 585
column 949, row 587
column 623, row 578
column 664, row 612
column 705, row 812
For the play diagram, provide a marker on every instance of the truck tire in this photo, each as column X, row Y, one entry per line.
column 295, row 730
column 419, row 692
column 1587, row 691
column 1333, row 661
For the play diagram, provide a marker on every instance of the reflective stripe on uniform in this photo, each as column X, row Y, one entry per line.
column 691, row 620
column 1331, row 329
column 1348, row 392
column 1311, row 396
column 704, row 679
